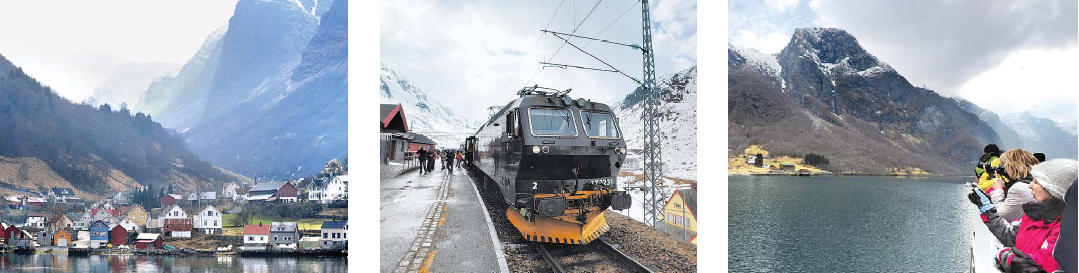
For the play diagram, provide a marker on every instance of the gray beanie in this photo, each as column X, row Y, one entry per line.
column 1056, row 175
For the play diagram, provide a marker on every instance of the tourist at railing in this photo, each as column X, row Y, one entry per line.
column 1012, row 191
column 1029, row 242
column 983, row 174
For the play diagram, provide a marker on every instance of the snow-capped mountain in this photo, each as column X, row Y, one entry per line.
column 127, row 84
column 678, row 121
column 1043, row 135
column 833, row 98
column 425, row 115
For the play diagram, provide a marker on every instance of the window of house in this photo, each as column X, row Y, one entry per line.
column 324, row 235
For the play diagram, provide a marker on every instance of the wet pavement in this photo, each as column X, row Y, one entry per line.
column 434, row 221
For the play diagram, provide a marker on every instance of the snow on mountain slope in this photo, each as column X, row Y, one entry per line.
column 129, row 82
column 765, row 63
column 425, row 116
column 678, row 121
column 1043, row 135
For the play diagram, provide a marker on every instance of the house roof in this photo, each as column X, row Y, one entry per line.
column 283, row 226
column 62, row 191
column 166, row 210
column 388, row 111
column 334, row 224
column 689, row 197
column 310, row 239
column 147, row 236
column 204, row 207
column 269, row 186
column 36, row 214
column 262, row 196
column 419, row 138
column 257, row 229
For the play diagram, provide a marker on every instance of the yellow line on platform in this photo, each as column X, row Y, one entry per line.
column 427, row 262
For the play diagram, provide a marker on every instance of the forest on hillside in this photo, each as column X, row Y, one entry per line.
column 82, row 142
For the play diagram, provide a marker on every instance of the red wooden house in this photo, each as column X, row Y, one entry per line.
column 149, row 241
column 178, row 227
column 118, row 236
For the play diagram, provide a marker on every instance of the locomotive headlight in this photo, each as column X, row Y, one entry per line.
column 535, row 149
column 623, row 150
column 546, row 149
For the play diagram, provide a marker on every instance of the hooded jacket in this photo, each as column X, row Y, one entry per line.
column 1035, row 236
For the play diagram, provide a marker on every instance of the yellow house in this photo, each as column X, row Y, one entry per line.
column 681, row 215
column 137, row 214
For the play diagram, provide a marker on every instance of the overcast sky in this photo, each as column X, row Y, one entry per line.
column 73, row 46
column 1006, row 56
column 466, row 54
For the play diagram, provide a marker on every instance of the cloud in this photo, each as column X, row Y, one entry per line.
column 465, row 53
column 74, row 48
column 942, row 44
column 781, row 5
column 1029, row 80
column 771, row 43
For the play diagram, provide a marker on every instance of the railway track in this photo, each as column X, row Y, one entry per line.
column 525, row 256
column 598, row 256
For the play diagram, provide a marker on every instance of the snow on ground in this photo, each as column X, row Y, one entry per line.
column 679, row 124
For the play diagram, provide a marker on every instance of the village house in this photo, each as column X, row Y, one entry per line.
column 334, row 234
column 149, row 241
column 99, row 234
column 325, row 190
column 105, row 215
column 61, row 195
column 36, row 221
column 137, row 214
column 129, row 225
column 256, row 236
column 62, row 237
column 119, row 198
column 11, row 233
column 309, row 242
column 208, row 220
column 205, row 198
column 118, row 236
column 681, row 212
column 22, row 201
column 284, row 234
column 170, row 199
column 230, row 190
column 174, row 222
column 272, row 192
column 82, row 220
column 61, row 221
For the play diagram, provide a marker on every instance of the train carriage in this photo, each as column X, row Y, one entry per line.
column 555, row 162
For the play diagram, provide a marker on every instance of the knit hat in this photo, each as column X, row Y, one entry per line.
column 991, row 149
column 1056, row 175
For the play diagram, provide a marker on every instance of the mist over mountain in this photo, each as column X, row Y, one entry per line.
column 826, row 94
column 268, row 94
column 127, row 84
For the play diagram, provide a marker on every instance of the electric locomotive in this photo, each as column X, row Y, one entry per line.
column 555, row 161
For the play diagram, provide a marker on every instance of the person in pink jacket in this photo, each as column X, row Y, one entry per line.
column 1029, row 242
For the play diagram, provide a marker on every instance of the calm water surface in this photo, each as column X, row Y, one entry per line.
column 848, row 224
column 131, row 263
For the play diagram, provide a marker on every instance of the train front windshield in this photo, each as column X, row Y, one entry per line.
column 599, row 124
column 552, row 122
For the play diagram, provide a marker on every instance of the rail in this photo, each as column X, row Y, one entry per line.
column 600, row 244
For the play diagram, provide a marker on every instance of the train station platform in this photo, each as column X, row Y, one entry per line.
column 435, row 222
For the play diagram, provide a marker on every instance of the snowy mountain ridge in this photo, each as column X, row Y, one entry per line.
column 424, row 115
column 678, row 113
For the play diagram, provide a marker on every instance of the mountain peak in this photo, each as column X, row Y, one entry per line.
column 831, row 46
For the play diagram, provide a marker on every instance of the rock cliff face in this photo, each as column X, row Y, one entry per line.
column 830, row 96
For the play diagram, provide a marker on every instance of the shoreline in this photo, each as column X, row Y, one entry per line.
column 845, row 174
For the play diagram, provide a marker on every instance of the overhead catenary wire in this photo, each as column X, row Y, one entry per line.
column 563, row 44
column 590, row 41
column 522, row 62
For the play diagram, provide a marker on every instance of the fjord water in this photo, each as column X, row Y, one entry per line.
column 848, row 224
column 157, row 263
